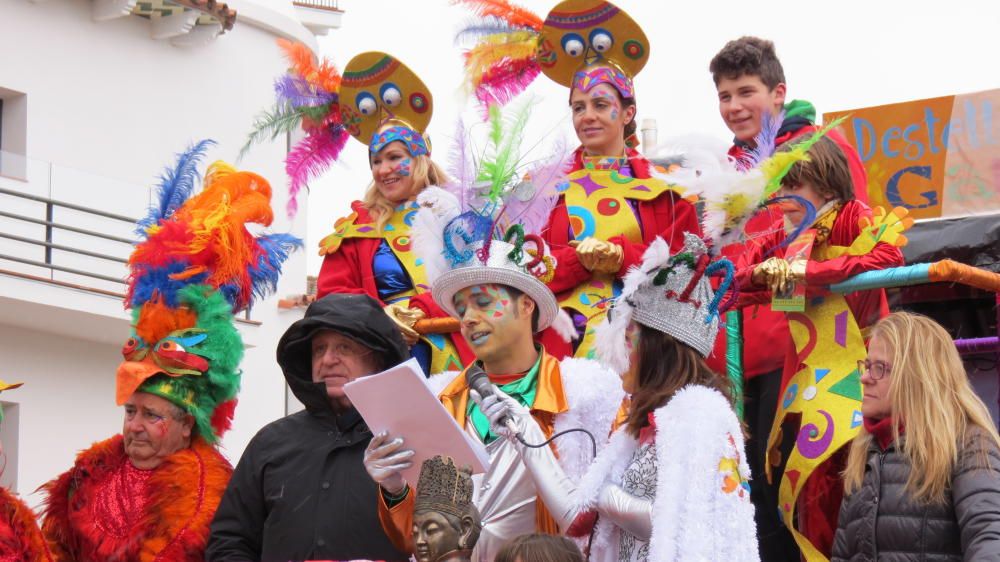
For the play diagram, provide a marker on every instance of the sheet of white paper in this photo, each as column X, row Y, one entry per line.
column 399, row 401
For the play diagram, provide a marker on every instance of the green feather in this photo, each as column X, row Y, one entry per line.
column 280, row 119
column 201, row 394
column 499, row 166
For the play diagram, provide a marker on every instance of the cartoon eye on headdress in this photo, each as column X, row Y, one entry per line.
column 366, row 104
column 512, row 46
column 391, row 96
column 385, row 90
column 573, row 44
column 134, row 349
column 601, row 40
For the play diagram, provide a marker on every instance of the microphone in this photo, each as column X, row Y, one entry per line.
column 478, row 380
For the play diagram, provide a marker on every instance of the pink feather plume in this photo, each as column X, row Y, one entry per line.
column 311, row 157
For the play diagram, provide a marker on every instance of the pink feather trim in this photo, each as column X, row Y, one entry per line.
column 310, row 158
column 504, row 80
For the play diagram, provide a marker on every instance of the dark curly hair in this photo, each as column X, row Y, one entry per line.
column 751, row 56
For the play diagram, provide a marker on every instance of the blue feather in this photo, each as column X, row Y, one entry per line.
column 150, row 281
column 275, row 250
column 807, row 219
column 477, row 28
column 176, row 186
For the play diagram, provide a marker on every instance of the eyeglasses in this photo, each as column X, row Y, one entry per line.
column 877, row 370
column 342, row 350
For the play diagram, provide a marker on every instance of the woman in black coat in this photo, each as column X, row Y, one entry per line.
column 923, row 476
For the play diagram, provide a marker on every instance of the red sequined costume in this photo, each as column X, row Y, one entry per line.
column 20, row 539
column 106, row 510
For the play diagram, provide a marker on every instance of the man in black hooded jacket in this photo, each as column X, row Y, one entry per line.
column 300, row 491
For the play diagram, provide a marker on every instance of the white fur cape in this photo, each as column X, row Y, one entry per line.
column 694, row 518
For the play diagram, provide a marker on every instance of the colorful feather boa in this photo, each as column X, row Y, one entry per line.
column 182, row 495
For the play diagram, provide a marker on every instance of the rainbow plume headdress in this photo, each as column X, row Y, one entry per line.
column 378, row 101
column 197, row 266
column 580, row 43
column 483, row 227
column 308, row 97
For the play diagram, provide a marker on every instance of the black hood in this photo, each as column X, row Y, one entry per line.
column 358, row 317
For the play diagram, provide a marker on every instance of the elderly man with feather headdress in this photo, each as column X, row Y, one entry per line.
column 150, row 492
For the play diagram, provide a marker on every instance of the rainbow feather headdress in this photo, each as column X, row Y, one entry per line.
column 307, row 96
column 483, row 227
column 196, row 267
column 580, row 43
column 378, row 100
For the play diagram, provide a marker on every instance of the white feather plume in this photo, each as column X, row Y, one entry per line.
column 731, row 198
column 437, row 208
column 563, row 325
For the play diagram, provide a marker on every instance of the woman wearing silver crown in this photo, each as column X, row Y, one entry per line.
column 672, row 482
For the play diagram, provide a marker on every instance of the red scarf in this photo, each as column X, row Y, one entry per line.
column 881, row 430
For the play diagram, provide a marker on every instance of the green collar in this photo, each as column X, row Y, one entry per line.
column 523, row 390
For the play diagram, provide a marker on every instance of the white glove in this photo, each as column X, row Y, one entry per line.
column 633, row 514
column 499, row 405
column 384, row 459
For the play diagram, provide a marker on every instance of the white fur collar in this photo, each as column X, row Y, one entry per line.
column 694, row 518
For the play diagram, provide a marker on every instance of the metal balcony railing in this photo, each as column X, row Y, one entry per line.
column 66, row 227
column 329, row 5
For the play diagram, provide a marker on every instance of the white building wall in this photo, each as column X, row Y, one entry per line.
column 107, row 107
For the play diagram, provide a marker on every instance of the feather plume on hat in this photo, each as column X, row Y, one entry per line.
column 198, row 265
column 482, row 227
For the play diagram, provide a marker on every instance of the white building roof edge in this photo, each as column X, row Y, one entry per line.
column 249, row 12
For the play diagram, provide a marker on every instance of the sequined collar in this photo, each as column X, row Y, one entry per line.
column 605, row 162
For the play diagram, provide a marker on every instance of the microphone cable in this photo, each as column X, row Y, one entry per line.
column 593, row 441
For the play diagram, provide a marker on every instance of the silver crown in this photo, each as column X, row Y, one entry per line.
column 669, row 293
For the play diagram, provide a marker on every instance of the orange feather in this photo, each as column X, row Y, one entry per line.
column 156, row 320
column 303, row 62
column 516, row 15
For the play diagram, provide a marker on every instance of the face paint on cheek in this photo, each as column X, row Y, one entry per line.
column 631, row 337
column 614, row 114
column 500, row 301
column 405, row 167
column 160, row 426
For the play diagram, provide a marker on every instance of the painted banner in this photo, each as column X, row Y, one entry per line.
column 937, row 157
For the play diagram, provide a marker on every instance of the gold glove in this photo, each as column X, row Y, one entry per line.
column 405, row 317
column 599, row 256
column 772, row 272
column 797, row 270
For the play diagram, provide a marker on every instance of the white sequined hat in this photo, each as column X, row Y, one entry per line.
column 461, row 250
